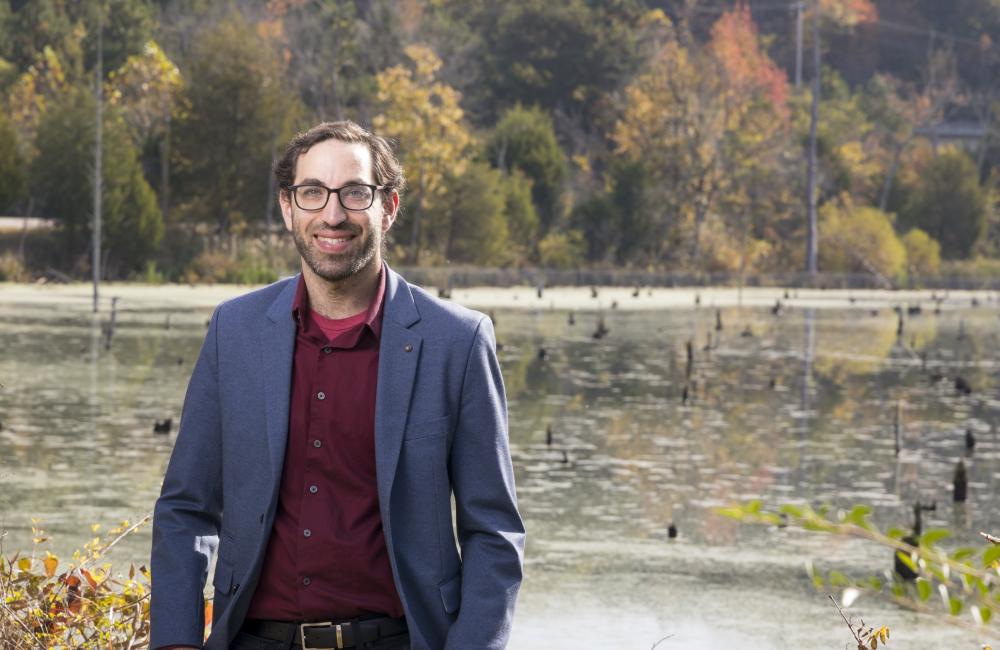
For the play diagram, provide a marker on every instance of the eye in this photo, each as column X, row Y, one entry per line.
column 312, row 192
column 357, row 192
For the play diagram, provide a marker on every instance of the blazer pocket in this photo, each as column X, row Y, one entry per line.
column 427, row 428
column 451, row 593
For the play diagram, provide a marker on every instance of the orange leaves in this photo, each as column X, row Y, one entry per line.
column 735, row 44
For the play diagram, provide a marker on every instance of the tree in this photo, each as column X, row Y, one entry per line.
column 945, row 199
column 69, row 28
column 322, row 43
column 472, row 217
column 12, row 177
column 702, row 120
column 235, row 105
column 424, row 116
column 146, row 90
column 860, row 239
column 61, row 181
column 923, row 254
column 524, row 139
column 522, row 218
column 560, row 56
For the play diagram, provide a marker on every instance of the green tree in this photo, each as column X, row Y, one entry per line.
column 522, row 218
column 563, row 56
column 236, row 107
column 472, row 217
column 945, row 199
column 61, row 181
column 70, row 28
column 524, row 139
column 12, row 177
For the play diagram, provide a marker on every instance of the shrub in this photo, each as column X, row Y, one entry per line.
column 923, row 254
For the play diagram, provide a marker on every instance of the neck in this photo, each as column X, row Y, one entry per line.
column 345, row 297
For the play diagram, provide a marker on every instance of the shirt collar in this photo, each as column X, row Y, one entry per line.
column 373, row 317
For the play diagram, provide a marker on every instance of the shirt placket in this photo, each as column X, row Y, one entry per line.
column 317, row 442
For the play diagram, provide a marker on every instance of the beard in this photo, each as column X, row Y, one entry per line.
column 338, row 267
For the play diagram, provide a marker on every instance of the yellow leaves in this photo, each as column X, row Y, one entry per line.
column 145, row 87
column 77, row 608
column 848, row 12
column 425, row 117
column 50, row 562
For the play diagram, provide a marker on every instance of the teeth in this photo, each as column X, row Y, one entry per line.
column 333, row 241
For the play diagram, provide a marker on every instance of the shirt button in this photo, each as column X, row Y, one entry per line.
column 327, row 350
column 321, row 395
column 317, row 443
column 313, row 489
column 306, row 581
column 307, row 532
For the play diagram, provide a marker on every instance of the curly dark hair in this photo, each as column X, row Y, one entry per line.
column 388, row 171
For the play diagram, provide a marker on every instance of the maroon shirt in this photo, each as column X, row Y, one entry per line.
column 326, row 557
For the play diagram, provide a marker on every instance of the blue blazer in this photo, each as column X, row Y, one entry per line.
column 440, row 430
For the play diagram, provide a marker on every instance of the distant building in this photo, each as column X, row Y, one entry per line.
column 965, row 134
column 18, row 224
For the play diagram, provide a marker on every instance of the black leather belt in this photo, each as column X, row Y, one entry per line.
column 327, row 635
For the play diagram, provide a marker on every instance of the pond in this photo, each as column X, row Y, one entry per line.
column 794, row 407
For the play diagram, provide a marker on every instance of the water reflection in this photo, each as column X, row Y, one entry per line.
column 803, row 410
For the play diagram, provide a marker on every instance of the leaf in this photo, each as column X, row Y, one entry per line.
column 956, row 605
column 90, row 579
column 859, row 515
column 907, row 559
column 791, row 511
column 51, row 562
column 838, row 579
column 963, row 553
column 991, row 555
column 732, row 513
column 933, row 536
column 897, row 533
column 24, row 564
column 923, row 589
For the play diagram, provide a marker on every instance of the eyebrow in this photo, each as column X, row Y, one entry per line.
column 316, row 181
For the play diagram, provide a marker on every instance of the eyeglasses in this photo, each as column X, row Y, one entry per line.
column 356, row 196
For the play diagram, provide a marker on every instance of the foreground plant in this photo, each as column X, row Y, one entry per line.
column 85, row 606
column 964, row 578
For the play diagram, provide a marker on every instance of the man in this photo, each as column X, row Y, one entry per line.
column 329, row 421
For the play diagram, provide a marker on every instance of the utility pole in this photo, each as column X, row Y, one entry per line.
column 812, row 246
column 95, row 264
column 799, row 10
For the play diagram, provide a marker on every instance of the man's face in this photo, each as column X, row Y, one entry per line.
column 335, row 243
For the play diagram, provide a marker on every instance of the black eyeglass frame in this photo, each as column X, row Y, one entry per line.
column 334, row 190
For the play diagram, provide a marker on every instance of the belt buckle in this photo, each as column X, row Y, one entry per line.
column 302, row 635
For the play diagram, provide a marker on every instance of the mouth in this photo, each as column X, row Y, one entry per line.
column 333, row 242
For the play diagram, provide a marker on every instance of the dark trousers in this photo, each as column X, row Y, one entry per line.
column 245, row 641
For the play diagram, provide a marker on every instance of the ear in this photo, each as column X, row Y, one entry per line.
column 390, row 208
column 285, row 201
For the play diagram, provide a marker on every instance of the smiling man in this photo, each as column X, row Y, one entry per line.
column 330, row 420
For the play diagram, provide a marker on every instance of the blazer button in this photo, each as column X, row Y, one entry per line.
column 408, row 347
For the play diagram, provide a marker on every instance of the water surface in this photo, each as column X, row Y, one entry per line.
column 800, row 409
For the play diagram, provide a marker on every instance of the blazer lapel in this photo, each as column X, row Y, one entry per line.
column 399, row 353
column 277, row 344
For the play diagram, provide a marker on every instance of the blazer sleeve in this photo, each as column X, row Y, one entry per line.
column 490, row 530
column 188, row 513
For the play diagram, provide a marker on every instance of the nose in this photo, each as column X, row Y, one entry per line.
column 333, row 214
